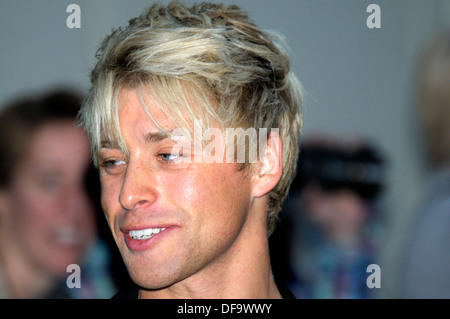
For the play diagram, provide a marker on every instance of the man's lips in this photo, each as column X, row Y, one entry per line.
column 143, row 237
column 145, row 228
column 145, row 233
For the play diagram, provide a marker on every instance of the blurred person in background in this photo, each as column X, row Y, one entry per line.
column 331, row 220
column 47, row 216
column 426, row 268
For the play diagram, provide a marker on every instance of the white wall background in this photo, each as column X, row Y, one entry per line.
column 359, row 80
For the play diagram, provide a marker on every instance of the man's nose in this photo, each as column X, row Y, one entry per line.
column 138, row 186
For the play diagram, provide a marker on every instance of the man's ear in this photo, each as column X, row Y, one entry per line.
column 269, row 166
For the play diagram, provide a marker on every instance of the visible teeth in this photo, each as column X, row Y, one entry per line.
column 145, row 233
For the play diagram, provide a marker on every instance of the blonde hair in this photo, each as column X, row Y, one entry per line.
column 434, row 99
column 212, row 54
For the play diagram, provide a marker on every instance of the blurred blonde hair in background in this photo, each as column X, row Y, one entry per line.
column 434, row 99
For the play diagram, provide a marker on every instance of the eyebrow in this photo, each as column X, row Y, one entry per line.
column 150, row 137
column 153, row 137
column 109, row 144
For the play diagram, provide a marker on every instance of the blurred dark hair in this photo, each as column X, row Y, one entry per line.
column 360, row 169
column 22, row 117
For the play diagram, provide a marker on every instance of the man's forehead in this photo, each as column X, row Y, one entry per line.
column 145, row 138
column 149, row 118
column 178, row 103
column 108, row 143
column 142, row 114
column 130, row 100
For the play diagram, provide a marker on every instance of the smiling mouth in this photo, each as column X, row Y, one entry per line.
column 143, row 234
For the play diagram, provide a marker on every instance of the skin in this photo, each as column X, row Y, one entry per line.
column 215, row 242
column 47, row 219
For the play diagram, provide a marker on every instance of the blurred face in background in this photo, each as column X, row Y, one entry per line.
column 47, row 214
column 341, row 214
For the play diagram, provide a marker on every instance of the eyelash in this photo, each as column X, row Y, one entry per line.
column 111, row 164
column 160, row 157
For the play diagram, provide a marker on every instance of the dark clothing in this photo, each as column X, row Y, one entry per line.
column 133, row 293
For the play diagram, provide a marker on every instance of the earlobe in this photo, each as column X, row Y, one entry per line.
column 270, row 166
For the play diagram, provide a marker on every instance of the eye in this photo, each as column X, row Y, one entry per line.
column 168, row 157
column 113, row 163
column 113, row 166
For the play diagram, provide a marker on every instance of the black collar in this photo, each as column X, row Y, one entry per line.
column 132, row 292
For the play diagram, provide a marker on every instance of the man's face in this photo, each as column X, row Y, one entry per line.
column 193, row 212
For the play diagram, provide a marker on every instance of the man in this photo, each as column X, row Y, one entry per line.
column 190, row 220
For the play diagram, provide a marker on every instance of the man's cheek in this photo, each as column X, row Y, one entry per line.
column 109, row 199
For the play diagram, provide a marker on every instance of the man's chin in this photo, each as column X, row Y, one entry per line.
column 150, row 277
